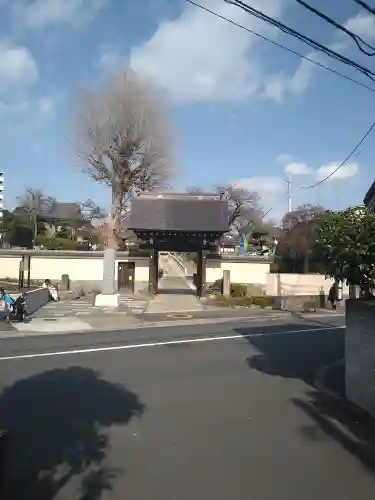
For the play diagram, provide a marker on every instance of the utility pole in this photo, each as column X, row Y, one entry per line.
column 289, row 182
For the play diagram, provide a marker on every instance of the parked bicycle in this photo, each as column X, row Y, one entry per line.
column 15, row 310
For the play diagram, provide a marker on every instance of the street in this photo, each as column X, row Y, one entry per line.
column 211, row 412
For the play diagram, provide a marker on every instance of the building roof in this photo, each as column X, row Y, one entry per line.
column 57, row 211
column 63, row 212
column 370, row 195
column 179, row 212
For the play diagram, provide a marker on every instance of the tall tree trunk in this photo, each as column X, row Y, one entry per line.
column 114, row 223
column 306, row 262
column 114, row 220
column 35, row 226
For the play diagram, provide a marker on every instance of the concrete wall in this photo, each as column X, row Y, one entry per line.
column 245, row 271
column 280, row 284
column 84, row 268
column 360, row 354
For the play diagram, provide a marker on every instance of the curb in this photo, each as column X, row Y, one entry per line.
column 141, row 325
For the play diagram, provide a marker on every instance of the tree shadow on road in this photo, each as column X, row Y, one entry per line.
column 331, row 418
column 300, row 356
column 56, row 422
column 297, row 355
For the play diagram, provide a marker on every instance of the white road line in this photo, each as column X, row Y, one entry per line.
column 164, row 343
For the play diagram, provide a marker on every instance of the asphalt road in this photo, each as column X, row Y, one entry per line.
column 181, row 413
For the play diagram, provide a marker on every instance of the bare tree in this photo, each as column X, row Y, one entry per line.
column 90, row 211
column 123, row 140
column 35, row 203
column 245, row 208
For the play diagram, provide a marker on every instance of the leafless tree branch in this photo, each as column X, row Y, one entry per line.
column 123, row 140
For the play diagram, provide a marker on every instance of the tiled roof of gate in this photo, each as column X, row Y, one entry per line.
column 179, row 212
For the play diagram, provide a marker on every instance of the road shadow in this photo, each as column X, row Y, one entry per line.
column 57, row 424
column 296, row 355
column 334, row 419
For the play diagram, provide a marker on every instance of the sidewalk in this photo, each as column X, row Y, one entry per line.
column 85, row 307
column 111, row 322
column 175, row 295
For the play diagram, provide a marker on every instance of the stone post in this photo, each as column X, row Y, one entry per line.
column 352, row 292
column 108, row 297
column 226, row 283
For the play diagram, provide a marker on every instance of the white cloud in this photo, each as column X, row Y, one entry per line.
column 10, row 109
column 362, row 25
column 42, row 13
column 279, row 85
column 17, row 66
column 284, row 159
column 198, row 57
column 272, row 191
column 263, row 184
column 25, row 117
column 45, row 108
column 298, row 169
column 345, row 172
column 110, row 59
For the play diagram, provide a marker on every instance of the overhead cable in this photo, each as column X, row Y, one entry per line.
column 352, row 152
column 357, row 39
column 281, row 46
column 366, row 6
column 305, row 39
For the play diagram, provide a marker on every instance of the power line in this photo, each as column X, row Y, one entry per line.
column 357, row 39
column 343, row 162
column 300, row 36
column 283, row 47
column 310, row 60
column 366, row 6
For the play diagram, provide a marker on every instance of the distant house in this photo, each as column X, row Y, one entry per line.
column 369, row 199
column 60, row 217
column 228, row 245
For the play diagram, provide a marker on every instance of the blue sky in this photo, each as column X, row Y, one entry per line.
column 242, row 110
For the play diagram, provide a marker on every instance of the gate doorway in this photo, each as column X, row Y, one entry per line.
column 125, row 276
column 181, row 223
column 191, row 282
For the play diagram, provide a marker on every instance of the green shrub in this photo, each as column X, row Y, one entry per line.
column 241, row 301
column 56, row 243
column 221, row 300
column 220, row 297
column 262, row 301
column 238, row 290
column 216, row 287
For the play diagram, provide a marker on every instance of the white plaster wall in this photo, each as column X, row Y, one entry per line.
column 141, row 272
column 9, row 267
column 299, row 284
column 77, row 269
column 240, row 272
